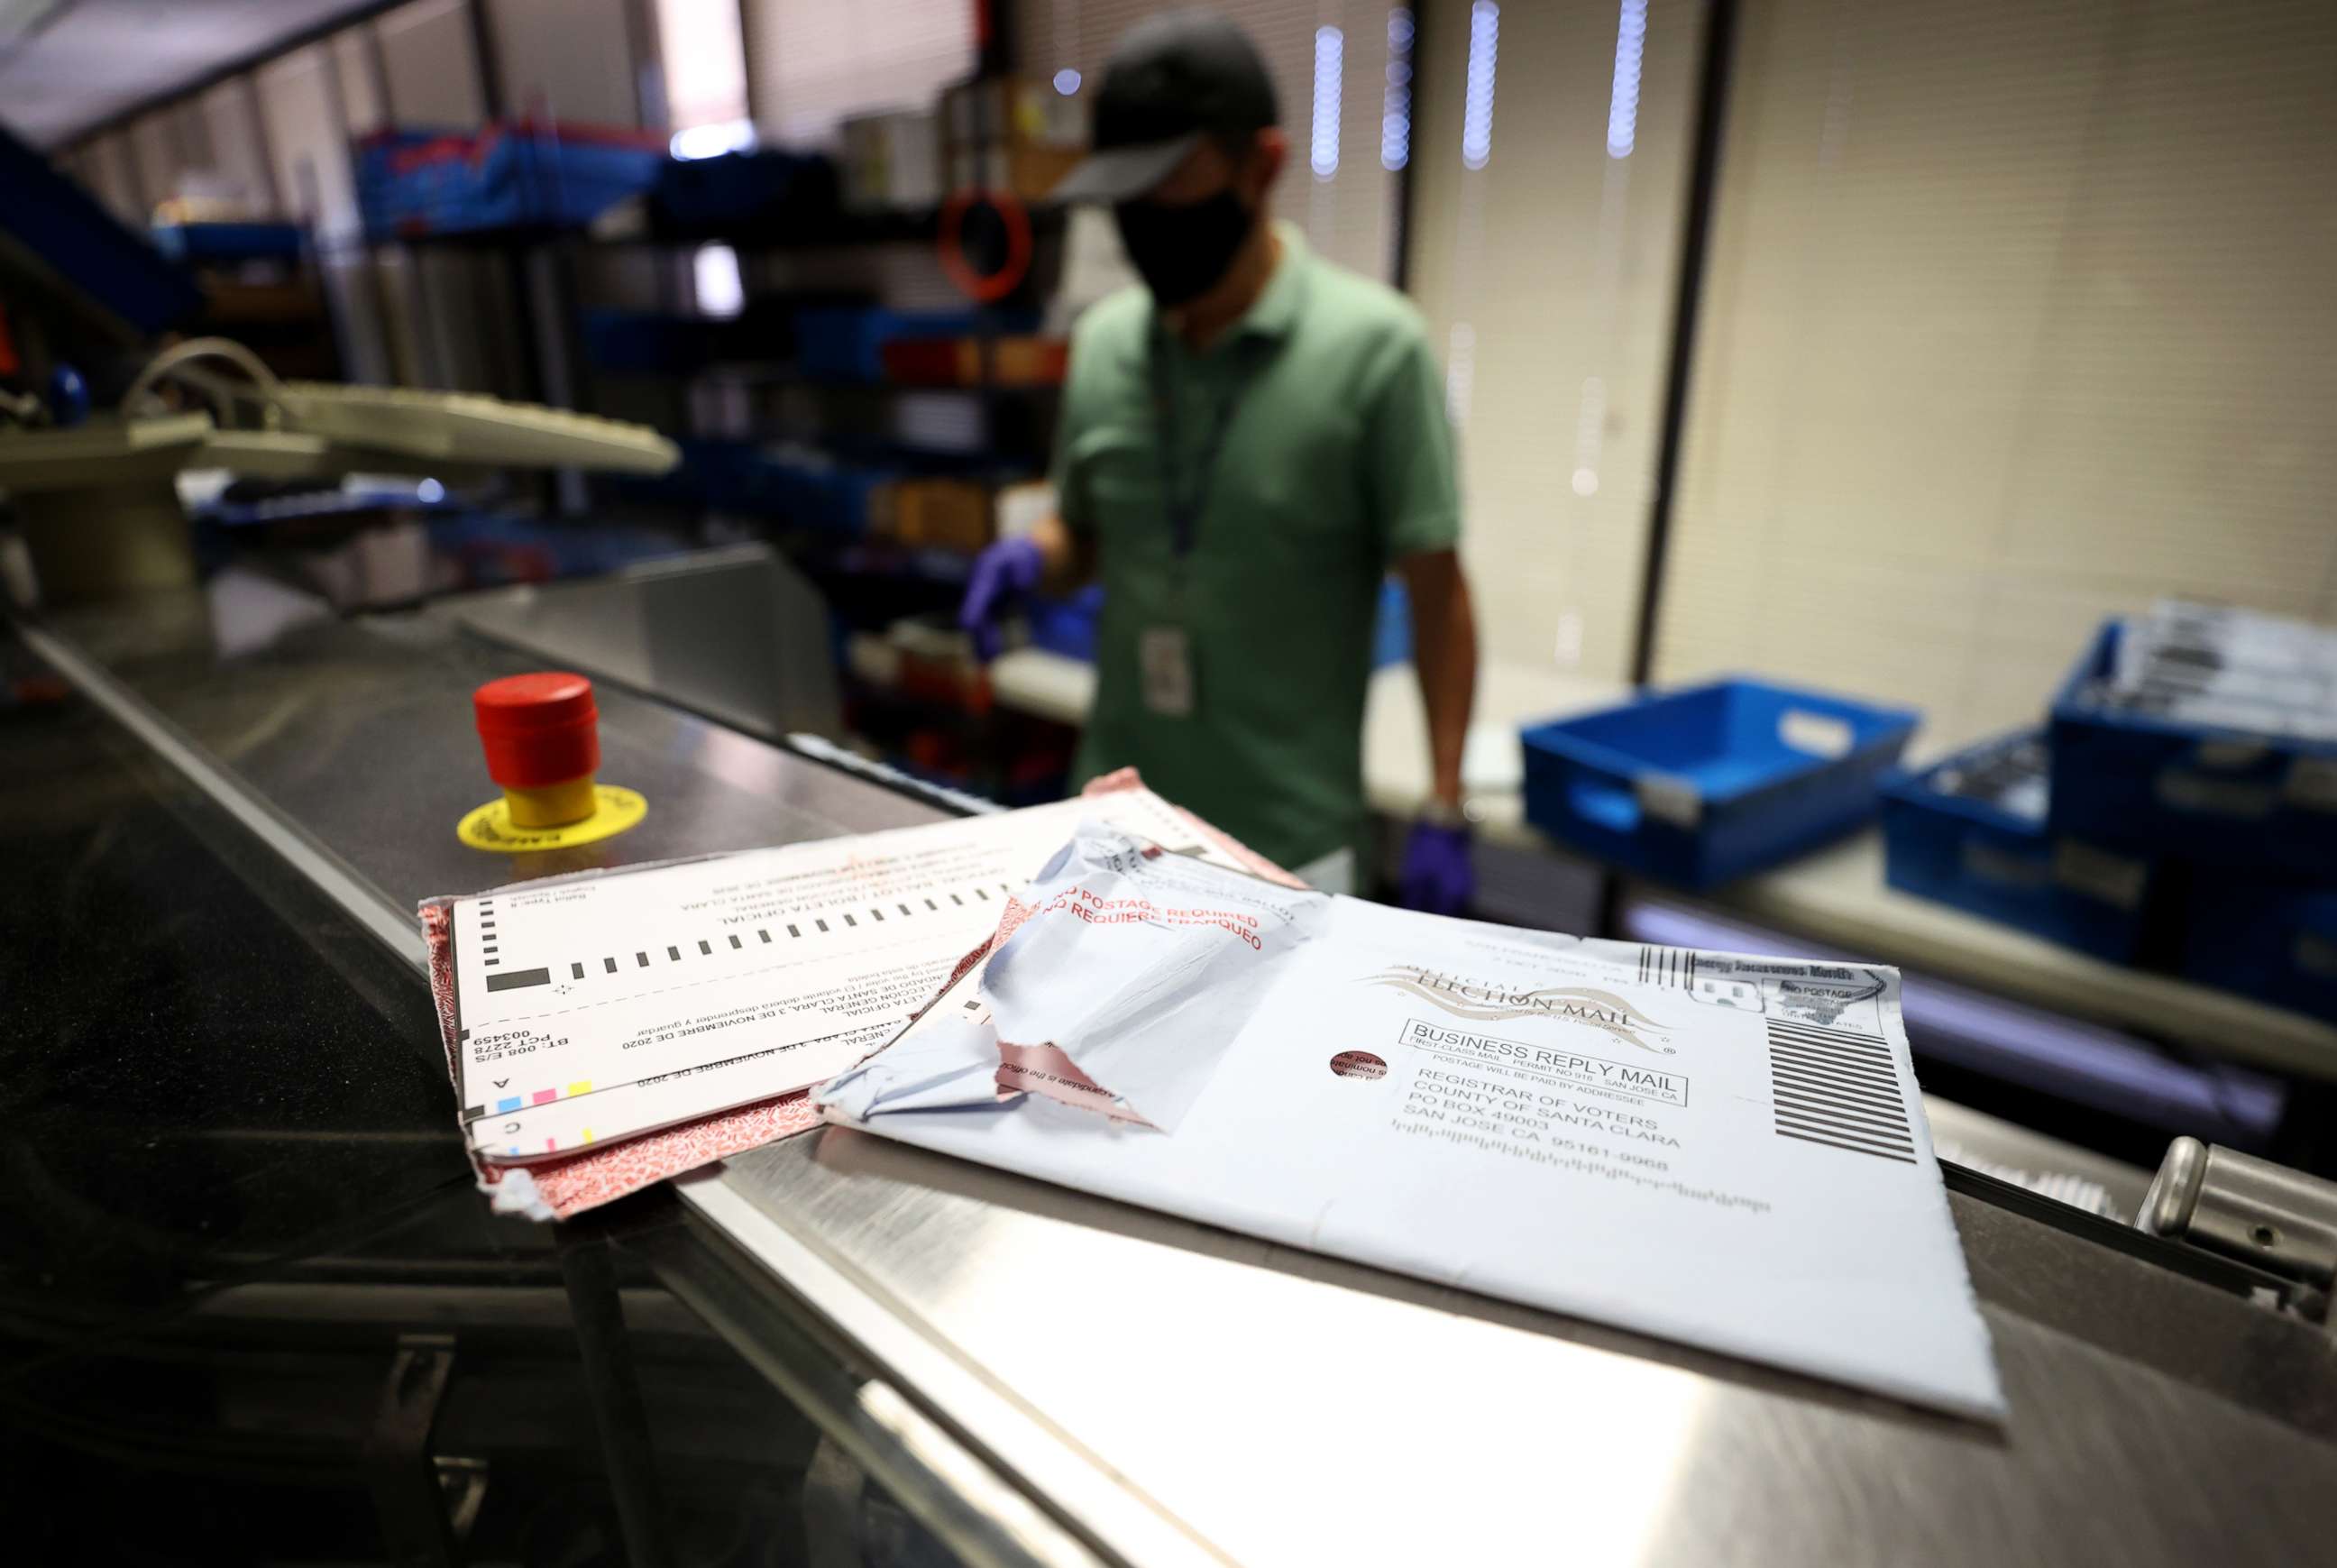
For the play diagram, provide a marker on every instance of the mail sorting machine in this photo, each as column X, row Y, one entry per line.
column 966, row 1365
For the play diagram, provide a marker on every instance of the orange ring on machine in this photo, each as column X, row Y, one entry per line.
column 985, row 289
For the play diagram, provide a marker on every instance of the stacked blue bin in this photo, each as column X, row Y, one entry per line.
column 230, row 242
column 415, row 183
column 1971, row 830
column 768, row 189
column 1701, row 785
column 62, row 228
column 2208, row 738
column 2177, row 812
column 802, row 487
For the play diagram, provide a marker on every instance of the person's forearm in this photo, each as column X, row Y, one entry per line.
column 1069, row 557
column 1444, row 652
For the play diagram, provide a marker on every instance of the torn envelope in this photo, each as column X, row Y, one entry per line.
column 1723, row 1150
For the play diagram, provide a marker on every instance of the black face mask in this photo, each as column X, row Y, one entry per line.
column 1181, row 251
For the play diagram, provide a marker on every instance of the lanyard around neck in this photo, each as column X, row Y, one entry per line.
column 1184, row 503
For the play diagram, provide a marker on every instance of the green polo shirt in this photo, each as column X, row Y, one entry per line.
column 1336, row 462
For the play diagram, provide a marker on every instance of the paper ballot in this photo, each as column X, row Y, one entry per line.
column 592, row 1009
column 1728, row 1151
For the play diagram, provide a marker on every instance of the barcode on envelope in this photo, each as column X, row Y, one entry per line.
column 1841, row 1090
column 1673, row 969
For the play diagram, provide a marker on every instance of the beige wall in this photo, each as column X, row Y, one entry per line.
column 432, row 67
column 812, row 63
column 308, row 143
column 358, row 75
column 239, row 151
column 568, row 60
column 2019, row 313
column 1548, row 278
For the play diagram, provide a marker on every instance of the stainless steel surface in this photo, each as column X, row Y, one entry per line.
column 1169, row 1393
column 2260, row 1212
column 361, row 899
column 1284, row 1407
column 962, row 1497
column 736, row 633
column 1011, row 1437
column 2009, row 1151
column 360, row 735
column 342, row 746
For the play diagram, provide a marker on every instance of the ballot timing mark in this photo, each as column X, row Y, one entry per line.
column 808, row 927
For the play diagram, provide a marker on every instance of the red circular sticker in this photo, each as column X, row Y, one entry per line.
column 1359, row 1064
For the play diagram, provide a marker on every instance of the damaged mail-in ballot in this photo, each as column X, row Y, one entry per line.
column 1726, row 1152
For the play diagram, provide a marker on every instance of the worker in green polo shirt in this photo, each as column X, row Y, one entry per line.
column 1248, row 444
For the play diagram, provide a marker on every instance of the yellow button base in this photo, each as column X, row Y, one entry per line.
column 492, row 826
column 553, row 805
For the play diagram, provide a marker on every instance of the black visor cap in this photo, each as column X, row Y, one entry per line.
column 1173, row 79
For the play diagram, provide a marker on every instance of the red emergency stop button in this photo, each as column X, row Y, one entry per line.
column 538, row 729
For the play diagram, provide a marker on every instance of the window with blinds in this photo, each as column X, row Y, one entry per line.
column 358, row 75
column 1330, row 61
column 430, row 67
column 701, row 46
column 811, row 63
column 568, row 60
column 113, row 175
column 297, row 98
column 1550, row 150
column 2018, row 315
column 165, row 144
column 239, row 154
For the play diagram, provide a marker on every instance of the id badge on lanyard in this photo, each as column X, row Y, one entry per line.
column 1164, row 656
column 1164, row 651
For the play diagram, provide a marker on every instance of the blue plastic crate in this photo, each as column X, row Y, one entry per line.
column 799, row 487
column 739, row 188
column 413, row 184
column 1699, row 786
column 2221, row 797
column 2263, row 937
column 645, row 343
column 230, row 242
column 1067, row 625
column 492, row 547
column 106, row 263
column 1970, row 831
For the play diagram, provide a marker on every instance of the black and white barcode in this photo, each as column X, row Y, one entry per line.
column 1833, row 1087
column 1672, row 967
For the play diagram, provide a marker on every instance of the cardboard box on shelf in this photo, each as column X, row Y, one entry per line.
column 1010, row 134
column 935, row 513
column 931, row 662
column 1017, row 360
column 892, row 160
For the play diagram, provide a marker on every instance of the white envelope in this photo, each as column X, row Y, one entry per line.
column 1723, row 1151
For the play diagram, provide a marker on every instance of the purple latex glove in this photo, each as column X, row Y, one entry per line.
column 1006, row 571
column 1438, row 877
